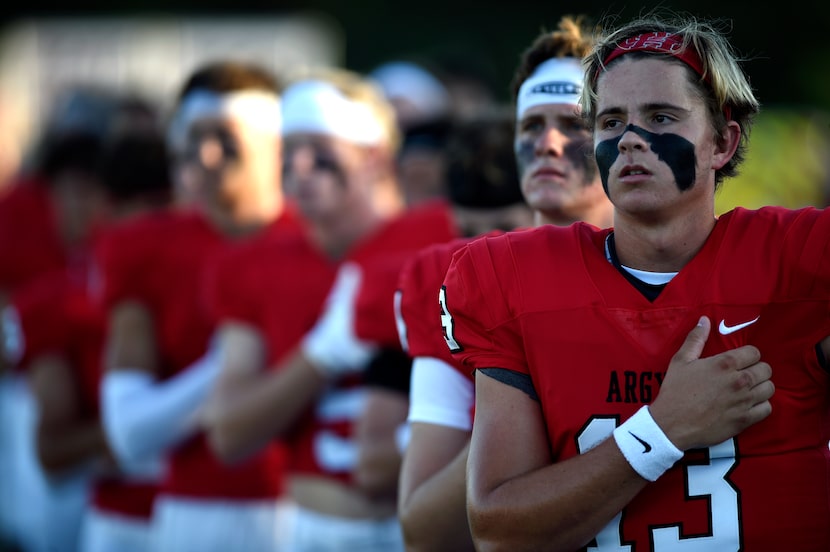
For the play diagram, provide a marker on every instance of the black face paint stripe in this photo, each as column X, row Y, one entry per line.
column 524, row 155
column 577, row 151
column 675, row 151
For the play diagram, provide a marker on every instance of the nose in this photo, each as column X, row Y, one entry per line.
column 631, row 140
column 551, row 142
column 210, row 153
column 299, row 162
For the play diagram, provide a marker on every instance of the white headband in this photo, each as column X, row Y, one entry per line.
column 319, row 107
column 414, row 84
column 257, row 108
column 556, row 81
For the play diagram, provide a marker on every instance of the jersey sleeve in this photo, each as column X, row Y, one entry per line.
column 419, row 311
column 808, row 244
column 374, row 305
column 478, row 326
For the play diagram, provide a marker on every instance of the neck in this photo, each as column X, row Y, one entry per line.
column 387, row 198
column 661, row 247
column 600, row 215
column 337, row 235
column 239, row 221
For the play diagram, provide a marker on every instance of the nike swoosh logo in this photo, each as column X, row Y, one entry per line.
column 646, row 446
column 726, row 330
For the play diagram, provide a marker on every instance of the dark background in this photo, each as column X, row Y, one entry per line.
column 786, row 45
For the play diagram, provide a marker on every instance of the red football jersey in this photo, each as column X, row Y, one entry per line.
column 58, row 315
column 29, row 241
column 157, row 260
column 430, row 223
column 419, row 309
column 277, row 283
column 322, row 443
column 547, row 303
column 162, row 261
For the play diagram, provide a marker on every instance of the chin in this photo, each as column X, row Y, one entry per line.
column 547, row 202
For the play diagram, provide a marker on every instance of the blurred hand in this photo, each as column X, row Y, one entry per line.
column 332, row 345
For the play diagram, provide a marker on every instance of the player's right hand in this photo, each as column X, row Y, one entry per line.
column 331, row 345
column 704, row 401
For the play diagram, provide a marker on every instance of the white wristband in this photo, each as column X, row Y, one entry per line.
column 645, row 446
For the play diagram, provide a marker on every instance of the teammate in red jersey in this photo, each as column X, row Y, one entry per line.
column 290, row 373
column 483, row 193
column 159, row 368
column 562, row 186
column 47, row 220
column 652, row 386
column 61, row 326
column 62, row 332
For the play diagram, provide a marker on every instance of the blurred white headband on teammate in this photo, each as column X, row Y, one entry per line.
column 555, row 81
column 410, row 82
column 257, row 108
column 319, row 107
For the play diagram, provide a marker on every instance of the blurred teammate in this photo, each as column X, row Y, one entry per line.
column 159, row 369
column 56, row 498
column 62, row 333
column 562, row 185
column 288, row 372
column 423, row 109
column 48, row 215
column 484, row 194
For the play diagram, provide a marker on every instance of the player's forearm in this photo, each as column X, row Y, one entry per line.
column 378, row 466
column 560, row 506
column 63, row 448
column 434, row 515
column 246, row 416
column 144, row 417
column 379, row 458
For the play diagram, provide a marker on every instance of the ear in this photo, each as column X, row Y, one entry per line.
column 726, row 144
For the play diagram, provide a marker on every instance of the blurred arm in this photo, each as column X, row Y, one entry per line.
column 251, row 405
column 65, row 439
column 379, row 459
column 142, row 416
column 432, row 502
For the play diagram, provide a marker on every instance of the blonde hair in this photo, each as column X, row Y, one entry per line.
column 722, row 84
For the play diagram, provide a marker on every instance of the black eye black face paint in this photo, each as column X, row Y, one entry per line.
column 323, row 161
column 675, row 151
column 579, row 152
column 524, row 155
column 332, row 166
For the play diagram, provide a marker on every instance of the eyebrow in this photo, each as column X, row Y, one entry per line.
column 530, row 117
column 655, row 106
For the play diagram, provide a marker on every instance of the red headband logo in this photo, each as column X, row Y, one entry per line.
column 666, row 43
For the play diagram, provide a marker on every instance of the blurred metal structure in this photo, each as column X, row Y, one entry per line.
column 42, row 58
